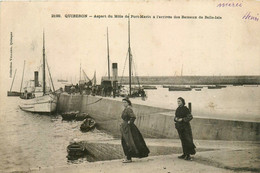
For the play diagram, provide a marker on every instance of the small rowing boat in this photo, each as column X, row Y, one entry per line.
column 88, row 124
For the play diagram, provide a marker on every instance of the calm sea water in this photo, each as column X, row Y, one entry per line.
column 233, row 102
column 31, row 140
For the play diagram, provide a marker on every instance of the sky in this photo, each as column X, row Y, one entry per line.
column 160, row 47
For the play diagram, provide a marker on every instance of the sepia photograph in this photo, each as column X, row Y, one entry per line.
column 129, row 86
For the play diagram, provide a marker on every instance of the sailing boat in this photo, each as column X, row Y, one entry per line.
column 62, row 80
column 106, row 84
column 13, row 93
column 39, row 100
column 132, row 91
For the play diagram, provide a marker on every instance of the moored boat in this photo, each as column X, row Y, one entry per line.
column 179, row 88
column 43, row 104
column 75, row 150
column 13, row 93
column 39, row 99
column 196, row 86
column 167, row 86
column 88, row 124
column 250, row 85
column 74, row 115
column 149, row 87
column 82, row 116
column 238, row 84
column 132, row 91
column 69, row 115
column 216, row 87
column 62, row 80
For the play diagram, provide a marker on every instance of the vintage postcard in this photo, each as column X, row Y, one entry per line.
column 130, row 86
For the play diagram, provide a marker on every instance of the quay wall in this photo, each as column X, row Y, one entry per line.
column 156, row 122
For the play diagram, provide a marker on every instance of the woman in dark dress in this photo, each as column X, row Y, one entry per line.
column 132, row 140
column 182, row 123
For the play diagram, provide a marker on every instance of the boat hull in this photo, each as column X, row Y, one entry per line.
column 149, row 87
column 179, row 89
column 13, row 93
column 42, row 104
column 217, row 87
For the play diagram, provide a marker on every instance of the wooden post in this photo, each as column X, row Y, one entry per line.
column 189, row 104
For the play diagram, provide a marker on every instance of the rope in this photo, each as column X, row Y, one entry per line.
column 85, row 75
column 133, row 64
column 136, row 75
column 50, row 78
column 95, row 102
column 124, row 68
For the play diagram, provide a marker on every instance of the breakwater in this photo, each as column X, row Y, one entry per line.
column 191, row 80
column 155, row 122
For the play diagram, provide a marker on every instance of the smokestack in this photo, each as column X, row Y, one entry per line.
column 115, row 71
column 36, row 79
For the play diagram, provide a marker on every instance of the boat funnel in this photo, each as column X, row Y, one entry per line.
column 115, row 71
column 36, row 78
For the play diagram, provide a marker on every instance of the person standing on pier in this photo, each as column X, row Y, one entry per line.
column 182, row 124
column 132, row 140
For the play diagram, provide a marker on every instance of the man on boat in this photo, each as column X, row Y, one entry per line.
column 72, row 89
column 88, row 90
column 25, row 94
column 77, row 88
column 114, row 92
column 94, row 90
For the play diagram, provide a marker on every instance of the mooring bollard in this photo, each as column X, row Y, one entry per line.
column 189, row 105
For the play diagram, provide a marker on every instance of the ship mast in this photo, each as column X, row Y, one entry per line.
column 43, row 68
column 181, row 69
column 80, row 71
column 13, row 81
column 108, row 56
column 130, row 56
column 22, row 76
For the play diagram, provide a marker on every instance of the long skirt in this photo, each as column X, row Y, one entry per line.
column 132, row 141
column 186, row 138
